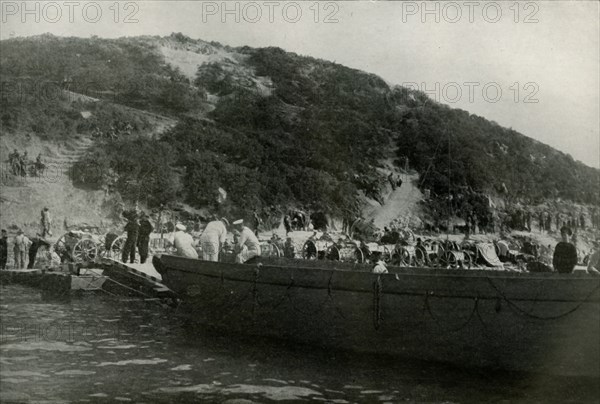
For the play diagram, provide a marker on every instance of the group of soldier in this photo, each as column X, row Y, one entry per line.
column 295, row 220
column 25, row 249
column 20, row 162
column 115, row 130
column 138, row 229
column 214, row 240
column 395, row 181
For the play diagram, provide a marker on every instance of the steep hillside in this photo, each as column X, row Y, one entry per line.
column 23, row 197
column 272, row 128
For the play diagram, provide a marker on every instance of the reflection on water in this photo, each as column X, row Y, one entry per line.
column 97, row 348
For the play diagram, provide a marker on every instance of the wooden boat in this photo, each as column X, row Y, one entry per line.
column 535, row 322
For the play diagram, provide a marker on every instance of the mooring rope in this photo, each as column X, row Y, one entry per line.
column 320, row 306
column 519, row 310
column 427, row 307
column 377, row 294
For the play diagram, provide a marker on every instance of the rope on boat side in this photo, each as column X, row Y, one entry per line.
column 475, row 310
column 519, row 310
column 319, row 309
column 255, row 291
column 377, row 294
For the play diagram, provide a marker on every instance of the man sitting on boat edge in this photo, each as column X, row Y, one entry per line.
column 594, row 260
column 247, row 246
column 380, row 267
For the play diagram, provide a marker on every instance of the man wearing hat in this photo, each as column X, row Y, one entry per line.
column 22, row 244
column 213, row 238
column 144, row 236
column 184, row 242
column 247, row 246
column 133, row 229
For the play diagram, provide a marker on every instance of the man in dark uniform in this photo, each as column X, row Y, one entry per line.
column 15, row 162
column 257, row 221
column 23, row 161
column 3, row 249
column 144, row 237
column 132, row 228
column 287, row 223
column 33, row 250
column 565, row 253
column 391, row 181
column 288, row 248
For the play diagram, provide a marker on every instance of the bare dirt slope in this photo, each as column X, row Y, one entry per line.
column 23, row 198
column 401, row 203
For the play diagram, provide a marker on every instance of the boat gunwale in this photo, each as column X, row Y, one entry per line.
column 416, row 271
column 390, row 288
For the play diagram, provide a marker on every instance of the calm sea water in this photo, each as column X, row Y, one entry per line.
column 100, row 348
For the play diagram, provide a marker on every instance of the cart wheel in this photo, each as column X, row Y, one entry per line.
column 467, row 260
column 85, row 250
column 276, row 251
column 359, row 257
column 397, row 258
column 451, row 260
column 387, row 254
column 405, row 258
column 61, row 246
column 420, row 257
column 333, row 253
column 117, row 247
column 270, row 250
column 309, row 250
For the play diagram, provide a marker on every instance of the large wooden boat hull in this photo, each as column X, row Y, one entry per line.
column 548, row 323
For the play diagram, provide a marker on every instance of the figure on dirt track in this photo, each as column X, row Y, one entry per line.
column 23, row 161
column 46, row 222
column 14, row 159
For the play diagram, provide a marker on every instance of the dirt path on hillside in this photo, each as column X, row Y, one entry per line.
column 402, row 202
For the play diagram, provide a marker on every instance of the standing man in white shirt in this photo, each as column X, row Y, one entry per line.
column 213, row 238
column 22, row 244
column 247, row 246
